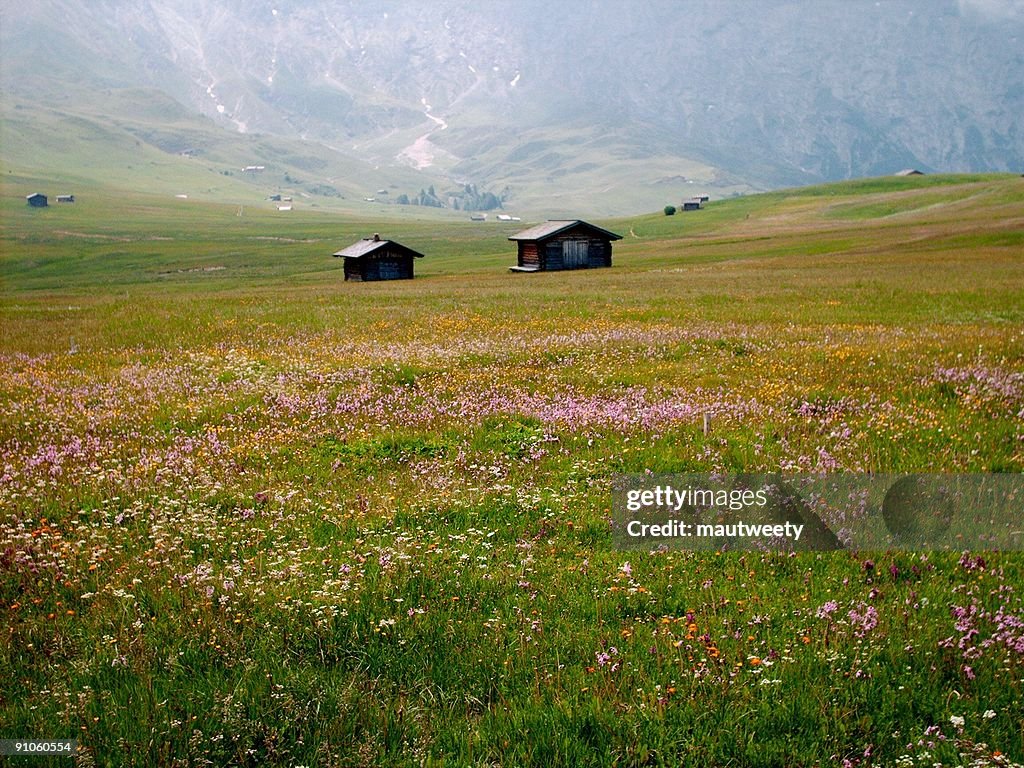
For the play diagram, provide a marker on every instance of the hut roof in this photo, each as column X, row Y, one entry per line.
column 369, row 245
column 557, row 226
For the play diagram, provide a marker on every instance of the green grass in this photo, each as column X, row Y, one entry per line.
column 254, row 515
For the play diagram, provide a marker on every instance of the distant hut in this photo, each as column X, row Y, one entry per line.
column 65, row 198
column 36, row 200
column 569, row 244
column 691, row 205
column 909, row 172
column 376, row 259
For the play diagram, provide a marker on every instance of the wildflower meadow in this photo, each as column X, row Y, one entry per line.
column 253, row 515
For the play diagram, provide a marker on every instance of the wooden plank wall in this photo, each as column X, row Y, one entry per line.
column 529, row 255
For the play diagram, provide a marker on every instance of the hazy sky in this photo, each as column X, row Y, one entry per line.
column 994, row 8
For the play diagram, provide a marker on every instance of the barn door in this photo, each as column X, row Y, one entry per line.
column 574, row 254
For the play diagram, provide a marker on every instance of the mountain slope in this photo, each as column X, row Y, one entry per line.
column 618, row 106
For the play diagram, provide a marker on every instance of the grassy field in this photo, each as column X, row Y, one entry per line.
column 253, row 515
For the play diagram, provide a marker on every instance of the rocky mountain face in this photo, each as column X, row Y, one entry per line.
column 500, row 94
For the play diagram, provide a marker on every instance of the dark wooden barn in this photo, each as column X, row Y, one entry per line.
column 572, row 244
column 376, row 259
column 36, row 200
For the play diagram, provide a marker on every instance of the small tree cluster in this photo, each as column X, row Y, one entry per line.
column 466, row 198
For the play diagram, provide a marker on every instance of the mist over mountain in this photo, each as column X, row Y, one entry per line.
column 574, row 100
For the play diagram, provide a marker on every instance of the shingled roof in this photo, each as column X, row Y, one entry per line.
column 556, row 226
column 369, row 245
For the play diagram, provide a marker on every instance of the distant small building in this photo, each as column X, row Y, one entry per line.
column 376, row 259
column 36, row 200
column 478, row 217
column 65, row 198
column 701, row 198
column 909, row 172
column 563, row 244
column 690, row 205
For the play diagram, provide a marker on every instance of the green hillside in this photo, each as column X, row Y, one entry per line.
column 113, row 237
column 140, row 141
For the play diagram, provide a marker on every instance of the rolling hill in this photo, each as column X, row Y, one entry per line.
column 111, row 239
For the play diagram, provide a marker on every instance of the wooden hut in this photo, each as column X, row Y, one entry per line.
column 570, row 244
column 36, row 200
column 376, row 259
